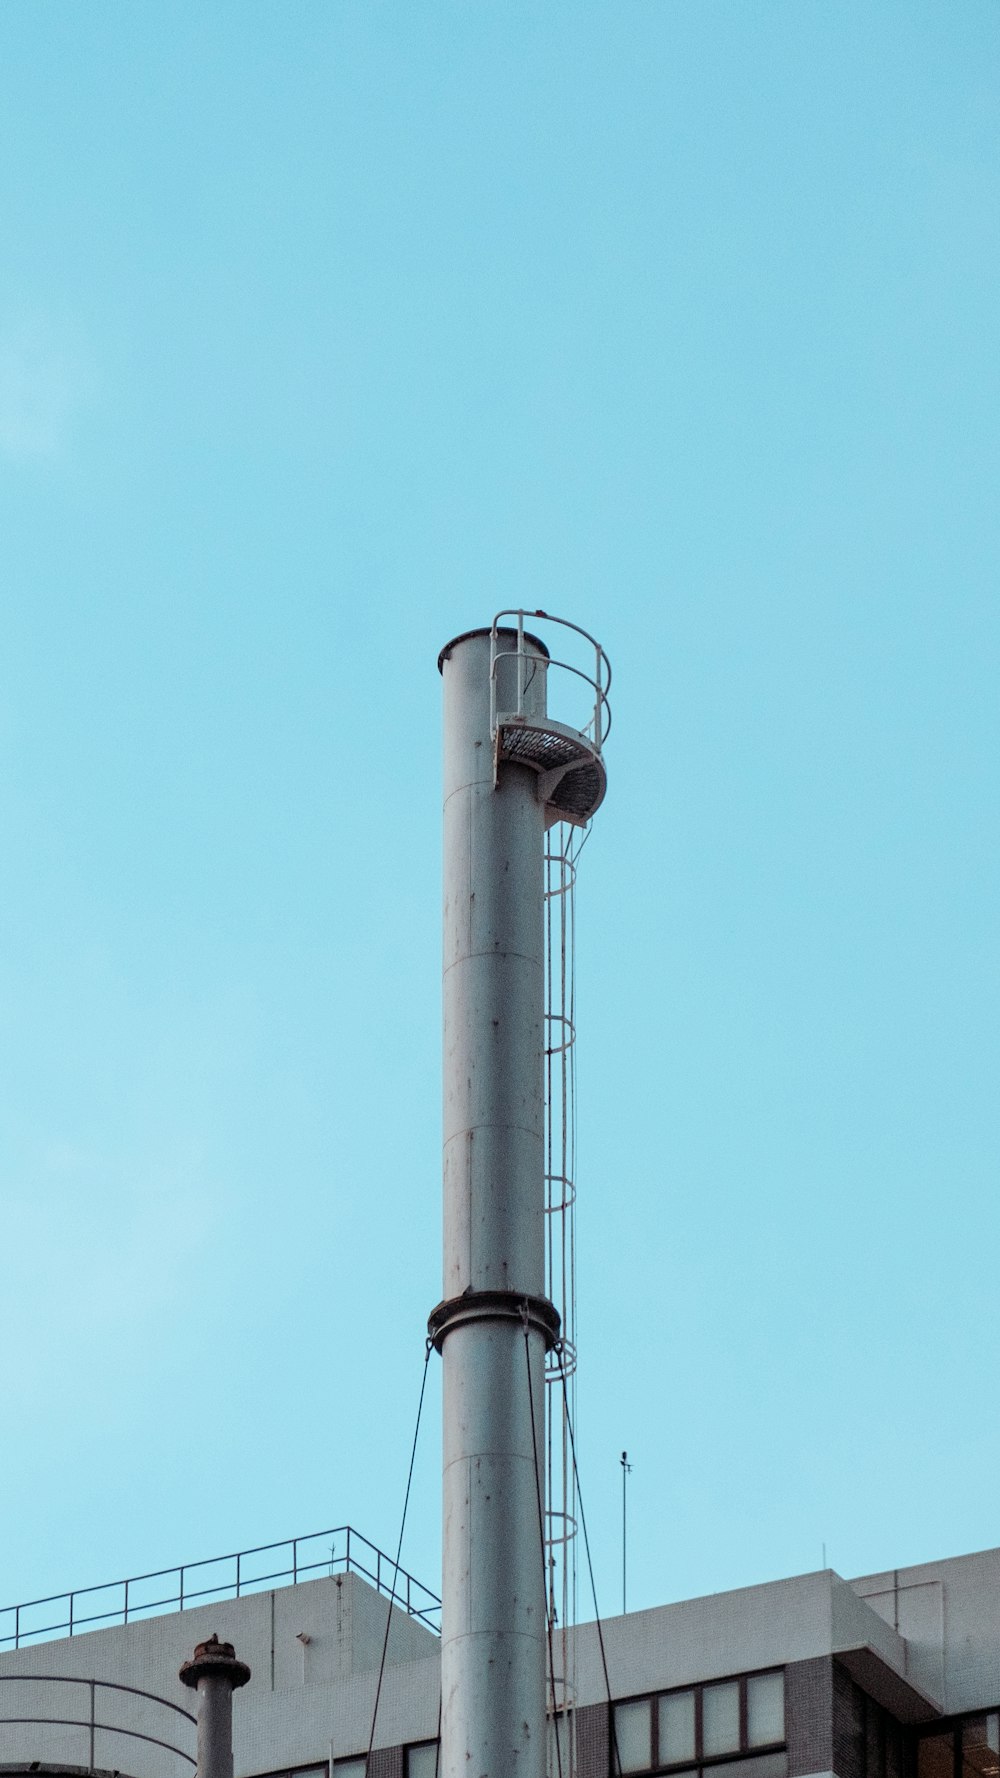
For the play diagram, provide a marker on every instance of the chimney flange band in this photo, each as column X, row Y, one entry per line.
column 535, row 1312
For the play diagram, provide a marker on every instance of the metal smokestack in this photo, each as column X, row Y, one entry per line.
column 509, row 772
column 215, row 1674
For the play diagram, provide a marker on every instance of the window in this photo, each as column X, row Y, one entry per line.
column 422, row 1760
column 980, row 1740
column 868, row 1742
column 350, row 1768
column 765, row 1709
column 634, row 1735
column 966, row 1749
column 678, row 1734
column 718, row 1721
column 936, row 1755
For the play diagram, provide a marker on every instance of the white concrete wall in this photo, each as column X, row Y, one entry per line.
column 305, row 1703
column 949, row 1613
column 697, row 1639
column 303, row 1700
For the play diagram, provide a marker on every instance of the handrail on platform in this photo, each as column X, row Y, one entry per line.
column 598, row 728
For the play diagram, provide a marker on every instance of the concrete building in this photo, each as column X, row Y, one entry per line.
column 893, row 1675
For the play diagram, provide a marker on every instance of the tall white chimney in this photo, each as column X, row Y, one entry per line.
column 509, row 772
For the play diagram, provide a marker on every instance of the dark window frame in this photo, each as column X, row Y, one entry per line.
column 700, row 1759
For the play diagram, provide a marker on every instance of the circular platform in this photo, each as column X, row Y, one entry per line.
column 572, row 778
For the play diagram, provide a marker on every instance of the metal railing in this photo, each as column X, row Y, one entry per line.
column 90, row 1722
column 340, row 1551
column 598, row 725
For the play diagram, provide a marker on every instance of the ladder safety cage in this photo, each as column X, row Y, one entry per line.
column 561, row 1506
column 567, row 758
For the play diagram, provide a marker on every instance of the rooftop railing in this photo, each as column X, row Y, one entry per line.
column 110, row 1692
column 340, row 1551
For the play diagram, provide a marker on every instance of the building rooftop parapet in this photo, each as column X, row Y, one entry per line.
column 342, row 1550
column 798, row 1618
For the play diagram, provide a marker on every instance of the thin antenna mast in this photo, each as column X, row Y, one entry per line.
column 626, row 1472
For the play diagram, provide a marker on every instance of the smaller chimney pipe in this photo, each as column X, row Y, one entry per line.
column 215, row 1673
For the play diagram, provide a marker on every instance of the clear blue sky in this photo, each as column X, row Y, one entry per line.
column 326, row 329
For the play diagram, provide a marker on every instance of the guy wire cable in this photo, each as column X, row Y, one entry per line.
column 428, row 1348
column 541, row 1540
column 593, row 1585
